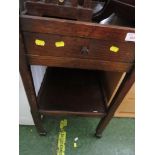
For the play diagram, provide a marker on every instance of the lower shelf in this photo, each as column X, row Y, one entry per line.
column 71, row 91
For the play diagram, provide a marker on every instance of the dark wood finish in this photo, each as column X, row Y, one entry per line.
column 29, row 87
column 74, row 3
column 78, row 93
column 61, row 10
column 47, row 1
column 58, row 57
column 122, row 91
column 86, row 47
column 98, row 49
column 87, row 3
column 73, row 28
column 79, row 63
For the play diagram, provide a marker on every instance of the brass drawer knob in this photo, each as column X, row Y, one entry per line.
column 84, row 50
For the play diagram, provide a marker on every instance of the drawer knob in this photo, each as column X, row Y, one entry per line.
column 84, row 50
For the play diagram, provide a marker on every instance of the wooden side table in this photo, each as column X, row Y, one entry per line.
column 77, row 55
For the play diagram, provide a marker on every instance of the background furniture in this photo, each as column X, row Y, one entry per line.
column 127, row 107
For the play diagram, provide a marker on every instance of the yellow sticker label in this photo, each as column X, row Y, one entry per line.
column 39, row 42
column 114, row 49
column 59, row 44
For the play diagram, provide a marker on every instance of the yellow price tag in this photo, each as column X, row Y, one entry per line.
column 40, row 42
column 59, row 44
column 114, row 49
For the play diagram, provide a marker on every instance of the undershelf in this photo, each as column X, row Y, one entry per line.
column 71, row 92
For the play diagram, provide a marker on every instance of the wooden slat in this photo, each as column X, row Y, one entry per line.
column 74, row 3
column 73, row 28
column 87, row 3
column 62, row 11
column 79, row 63
column 62, row 113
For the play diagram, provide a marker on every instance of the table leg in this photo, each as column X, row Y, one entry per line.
column 26, row 76
column 121, row 93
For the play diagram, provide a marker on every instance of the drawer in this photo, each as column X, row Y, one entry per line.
column 78, row 47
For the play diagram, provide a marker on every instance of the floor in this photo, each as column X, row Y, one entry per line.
column 117, row 139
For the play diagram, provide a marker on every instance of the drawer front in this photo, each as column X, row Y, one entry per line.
column 78, row 47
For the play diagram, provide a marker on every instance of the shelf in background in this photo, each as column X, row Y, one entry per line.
column 71, row 91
